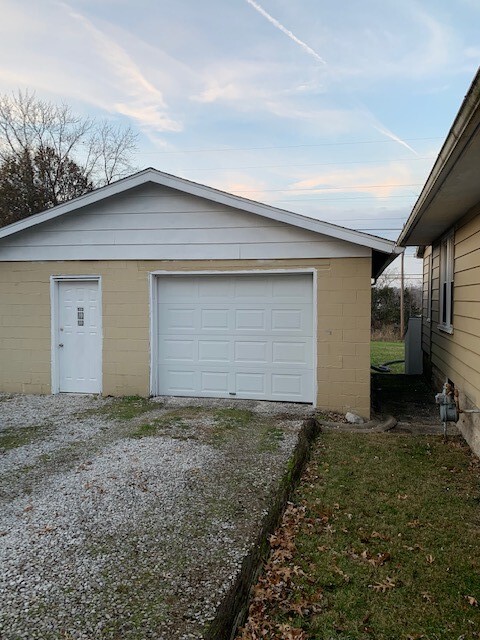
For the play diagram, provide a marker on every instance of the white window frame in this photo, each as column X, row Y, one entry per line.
column 429, row 285
column 447, row 257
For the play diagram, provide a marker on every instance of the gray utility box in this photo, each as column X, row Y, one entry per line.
column 413, row 347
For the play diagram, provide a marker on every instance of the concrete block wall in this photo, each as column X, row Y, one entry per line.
column 343, row 327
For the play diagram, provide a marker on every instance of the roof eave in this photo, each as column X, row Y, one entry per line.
column 380, row 261
column 467, row 119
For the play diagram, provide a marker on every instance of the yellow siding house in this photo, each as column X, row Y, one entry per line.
column 445, row 225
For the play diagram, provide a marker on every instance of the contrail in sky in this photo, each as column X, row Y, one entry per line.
column 381, row 129
column 392, row 136
column 288, row 33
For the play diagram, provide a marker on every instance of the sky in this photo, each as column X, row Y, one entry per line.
column 335, row 110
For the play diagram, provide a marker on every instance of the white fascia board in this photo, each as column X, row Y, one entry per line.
column 209, row 193
column 465, row 126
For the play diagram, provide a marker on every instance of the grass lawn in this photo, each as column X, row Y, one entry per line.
column 381, row 352
column 380, row 541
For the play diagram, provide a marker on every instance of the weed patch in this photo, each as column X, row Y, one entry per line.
column 15, row 437
column 270, row 439
column 228, row 420
column 169, row 423
column 125, row 408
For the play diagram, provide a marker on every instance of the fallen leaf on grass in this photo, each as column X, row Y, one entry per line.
column 380, row 559
column 427, row 596
column 291, row 633
column 403, row 496
column 303, row 608
column 281, row 555
column 345, row 576
column 471, row 601
column 381, row 536
column 377, row 561
column 383, row 586
column 430, row 559
column 416, row 547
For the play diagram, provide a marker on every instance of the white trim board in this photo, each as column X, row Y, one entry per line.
column 54, row 291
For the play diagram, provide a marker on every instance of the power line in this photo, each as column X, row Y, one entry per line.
column 307, row 200
column 311, row 164
column 343, row 188
column 291, row 146
column 368, row 219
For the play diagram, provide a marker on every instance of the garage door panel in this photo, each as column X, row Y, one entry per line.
column 287, row 384
column 180, row 318
column 214, row 381
column 292, row 353
column 251, row 351
column 215, row 288
column 178, row 350
column 287, row 319
column 251, row 383
column 250, row 320
column 248, row 288
column 292, row 288
column 290, row 318
column 214, row 319
column 180, row 380
column 179, row 289
column 213, row 350
column 246, row 336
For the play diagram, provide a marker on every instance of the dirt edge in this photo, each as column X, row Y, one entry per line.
column 233, row 609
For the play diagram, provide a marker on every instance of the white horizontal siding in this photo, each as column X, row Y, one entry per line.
column 154, row 222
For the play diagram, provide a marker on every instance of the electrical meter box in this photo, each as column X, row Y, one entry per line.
column 413, row 347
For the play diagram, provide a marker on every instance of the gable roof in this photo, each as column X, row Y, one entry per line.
column 384, row 250
column 453, row 186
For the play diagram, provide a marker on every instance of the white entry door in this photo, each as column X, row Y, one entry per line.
column 78, row 337
column 244, row 336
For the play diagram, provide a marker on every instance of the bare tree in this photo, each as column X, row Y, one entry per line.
column 51, row 137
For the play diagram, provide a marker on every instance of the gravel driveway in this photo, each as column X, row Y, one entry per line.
column 129, row 518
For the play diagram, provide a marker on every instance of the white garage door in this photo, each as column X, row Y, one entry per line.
column 244, row 336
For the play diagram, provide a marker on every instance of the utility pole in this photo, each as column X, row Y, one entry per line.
column 402, row 286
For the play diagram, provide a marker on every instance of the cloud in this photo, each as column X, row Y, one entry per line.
column 242, row 185
column 380, row 182
column 286, row 31
column 144, row 102
column 216, row 90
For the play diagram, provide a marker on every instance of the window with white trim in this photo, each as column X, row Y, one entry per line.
column 429, row 266
column 446, row 283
